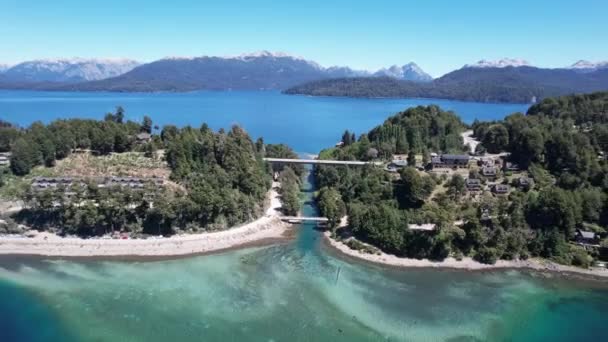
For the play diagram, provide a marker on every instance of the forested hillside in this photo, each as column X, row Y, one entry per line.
column 418, row 130
column 559, row 149
column 217, row 179
column 510, row 84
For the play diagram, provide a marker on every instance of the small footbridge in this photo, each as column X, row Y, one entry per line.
column 302, row 219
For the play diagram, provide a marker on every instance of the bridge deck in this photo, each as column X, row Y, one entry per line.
column 303, row 218
column 299, row 219
column 321, row 162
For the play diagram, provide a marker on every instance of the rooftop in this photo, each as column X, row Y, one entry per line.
column 455, row 156
column 586, row 234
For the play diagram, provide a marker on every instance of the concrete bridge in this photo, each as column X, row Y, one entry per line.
column 323, row 220
column 300, row 219
column 320, row 162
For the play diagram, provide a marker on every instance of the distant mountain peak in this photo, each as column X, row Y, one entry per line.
column 81, row 60
column 501, row 63
column 587, row 65
column 410, row 72
column 243, row 56
column 266, row 53
column 70, row 69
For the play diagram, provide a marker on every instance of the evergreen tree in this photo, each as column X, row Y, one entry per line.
column 146, row 125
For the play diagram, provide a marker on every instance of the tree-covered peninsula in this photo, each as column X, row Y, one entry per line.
column 90, row 177
column 536, row 186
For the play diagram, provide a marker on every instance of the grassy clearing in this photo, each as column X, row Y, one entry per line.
column 116, row 164
column 133, row 164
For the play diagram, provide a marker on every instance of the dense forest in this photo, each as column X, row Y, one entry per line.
column 289, row 176
column 418, row 130
column 559, row 144
column 219, row 178
column 515, row 85
column 42, row 144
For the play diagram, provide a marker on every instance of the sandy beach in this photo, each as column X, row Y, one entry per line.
column 464, row 264
column 267, row 228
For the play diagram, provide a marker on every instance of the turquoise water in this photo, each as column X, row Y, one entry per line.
column 308, row 124
column 299, row 291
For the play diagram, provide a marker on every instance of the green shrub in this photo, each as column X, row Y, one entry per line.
column 487, row 255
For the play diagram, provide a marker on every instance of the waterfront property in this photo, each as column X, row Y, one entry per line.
column 586, row 237
column 473, row 184
column 396, row 164
column 489, row 172
column 423, row 227
column 525, row 182
column 450, row 161
column 41, row 183
column 501, row 189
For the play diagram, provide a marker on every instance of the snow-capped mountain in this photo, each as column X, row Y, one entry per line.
column 586, row 65
column 338, row 71
column 271, row 55
column 501, row 63
column 409, row 72
column 258, row 70
column 69, row 70
column 3, row 68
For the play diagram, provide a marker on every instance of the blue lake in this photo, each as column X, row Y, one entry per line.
column 308, row 124
column 298, row 291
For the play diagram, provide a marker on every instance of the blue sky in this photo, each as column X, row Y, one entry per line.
column 438, row 35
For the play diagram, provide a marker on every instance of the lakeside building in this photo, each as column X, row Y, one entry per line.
column 473, row 184
column 450, row 161
column 41, row 183
column 585, row 237
column 396, row 165
column 525, row 183
column 489, row 172
column 423, row 227
column 501, row 189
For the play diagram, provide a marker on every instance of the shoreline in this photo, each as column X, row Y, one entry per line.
column 268, row 229
column 264, row 231
column 466, row 264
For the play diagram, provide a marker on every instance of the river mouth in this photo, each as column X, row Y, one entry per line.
column 296, row 291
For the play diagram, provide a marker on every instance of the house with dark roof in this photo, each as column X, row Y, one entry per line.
column 450, row 161
column 489, row 172
column 473, row 185
column 525, row 183
column 396, row 165
column 586, row 237
column 501, row 189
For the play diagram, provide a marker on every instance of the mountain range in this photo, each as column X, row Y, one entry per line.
column 261, row 70
column 505, row 80
column 67, row 70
